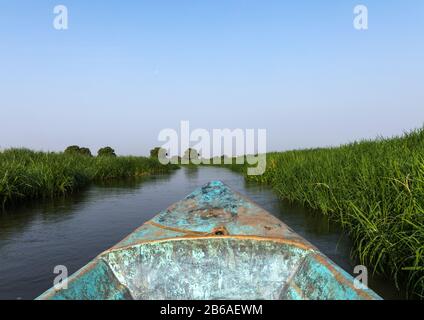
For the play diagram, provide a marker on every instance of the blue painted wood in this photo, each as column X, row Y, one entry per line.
column 214, row 244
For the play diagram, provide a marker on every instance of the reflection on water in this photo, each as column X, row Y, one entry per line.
column 73, row 230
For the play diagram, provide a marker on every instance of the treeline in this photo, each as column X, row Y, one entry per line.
column 102, row 152
column 189, row 155
column 26, row 174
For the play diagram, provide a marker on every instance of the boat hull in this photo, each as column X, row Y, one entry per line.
column 215, row 244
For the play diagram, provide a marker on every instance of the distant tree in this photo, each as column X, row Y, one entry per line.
column 154, row 153
column 77, row 150
column 85, row 152
column 191, row 154
column 106, row 152
column 72, row 150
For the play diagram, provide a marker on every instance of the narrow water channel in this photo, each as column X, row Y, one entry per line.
column 72, row 231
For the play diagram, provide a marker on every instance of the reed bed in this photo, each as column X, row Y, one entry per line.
column 26, row 175
column 374, row 189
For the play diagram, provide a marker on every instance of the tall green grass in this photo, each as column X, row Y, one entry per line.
column 26, row 174
column 374, row 189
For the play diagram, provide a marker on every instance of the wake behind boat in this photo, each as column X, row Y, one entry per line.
column 214, row 244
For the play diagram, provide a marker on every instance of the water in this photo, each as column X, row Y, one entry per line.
column 74, row 230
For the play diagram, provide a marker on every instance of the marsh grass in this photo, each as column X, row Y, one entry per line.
column 374, row 189
column 26, row 175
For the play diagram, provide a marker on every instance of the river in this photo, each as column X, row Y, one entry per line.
column 73, row 230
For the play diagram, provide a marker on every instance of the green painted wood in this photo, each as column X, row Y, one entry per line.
column 214, row 244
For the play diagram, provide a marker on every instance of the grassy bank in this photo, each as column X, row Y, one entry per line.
column 374, row 189
column 26, row 174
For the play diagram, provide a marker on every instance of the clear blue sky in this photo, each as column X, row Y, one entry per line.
column 127, row 69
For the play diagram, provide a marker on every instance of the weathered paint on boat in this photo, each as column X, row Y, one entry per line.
column 214, row 244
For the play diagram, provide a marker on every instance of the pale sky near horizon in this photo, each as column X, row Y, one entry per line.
column 124, row 70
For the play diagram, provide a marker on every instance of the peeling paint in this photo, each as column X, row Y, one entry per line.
column 214, row 244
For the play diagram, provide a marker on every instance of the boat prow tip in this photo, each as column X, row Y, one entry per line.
column 215, row 183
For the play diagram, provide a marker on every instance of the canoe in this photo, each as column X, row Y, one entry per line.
column 214, row 244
